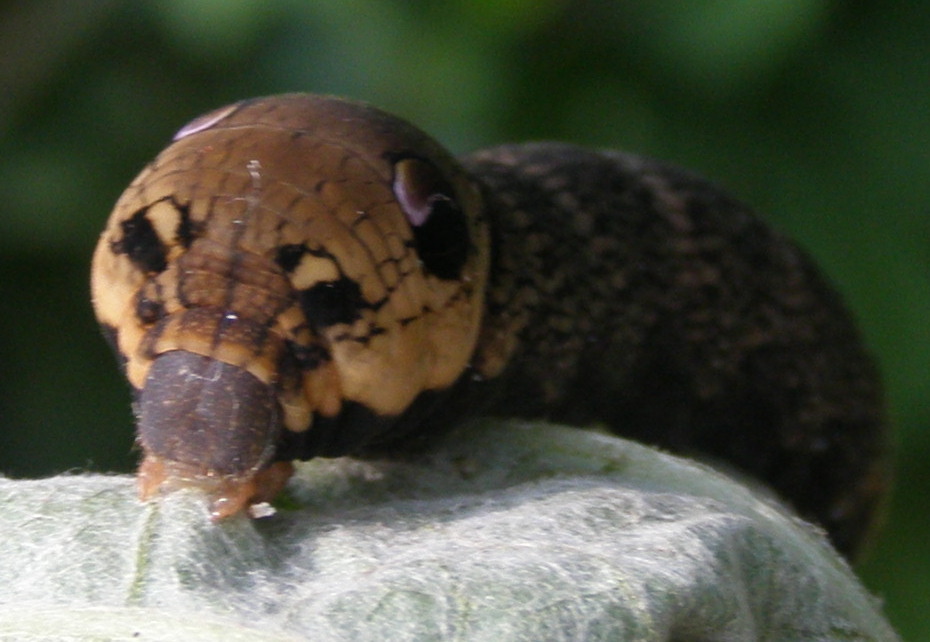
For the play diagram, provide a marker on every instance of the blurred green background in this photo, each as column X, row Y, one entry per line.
column 816, row 112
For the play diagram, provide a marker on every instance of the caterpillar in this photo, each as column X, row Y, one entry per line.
column 303, row 276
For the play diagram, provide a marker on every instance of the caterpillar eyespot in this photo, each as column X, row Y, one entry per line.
column 439, row 226
column 302, row 276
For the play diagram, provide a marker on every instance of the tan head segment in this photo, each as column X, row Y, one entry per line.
column 331, row 251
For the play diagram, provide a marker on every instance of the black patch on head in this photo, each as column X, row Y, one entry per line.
column 141, row 244
column 442, row 242
column 288, row 256
column 330, row 302
column 440, row 227
column 187, row 230
column 308, row 357
column 149, row 310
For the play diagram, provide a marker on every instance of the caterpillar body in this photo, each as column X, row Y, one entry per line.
column 301, row 276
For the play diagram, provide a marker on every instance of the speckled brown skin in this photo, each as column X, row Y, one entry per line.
column 634, row 294
column 302, row 276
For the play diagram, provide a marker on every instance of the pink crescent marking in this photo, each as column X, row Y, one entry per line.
column 205, row 122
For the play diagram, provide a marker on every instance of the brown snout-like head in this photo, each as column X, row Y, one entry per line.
column 206, row 417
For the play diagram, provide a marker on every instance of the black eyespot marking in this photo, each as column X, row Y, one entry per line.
column 443, row 242
column 187, row 230
column 309, row 357
column 332, row 302
column 440, row 228
column 288, row 256
column 149, row 311
column 141, row 244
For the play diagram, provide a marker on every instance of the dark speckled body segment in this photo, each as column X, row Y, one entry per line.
column 637, row 295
